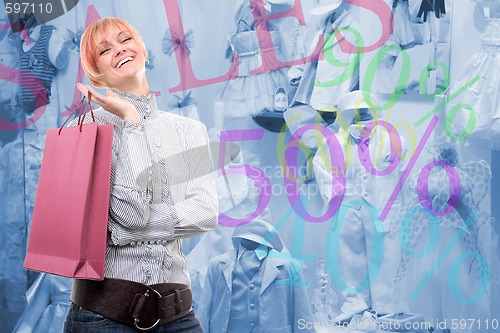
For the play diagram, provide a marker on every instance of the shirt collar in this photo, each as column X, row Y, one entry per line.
column 144, row 104
column 261, row 254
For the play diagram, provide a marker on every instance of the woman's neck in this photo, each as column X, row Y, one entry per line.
column 135, row 86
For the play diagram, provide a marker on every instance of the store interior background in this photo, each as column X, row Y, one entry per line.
column 212, row 22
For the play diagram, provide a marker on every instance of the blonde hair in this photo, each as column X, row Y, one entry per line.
column 90, row 39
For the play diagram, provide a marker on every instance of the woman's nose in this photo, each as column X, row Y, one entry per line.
column 119, row 51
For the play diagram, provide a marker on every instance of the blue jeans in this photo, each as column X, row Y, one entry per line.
column 83, row 321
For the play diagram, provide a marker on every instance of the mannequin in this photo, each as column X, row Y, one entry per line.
column 48, row 304
column 358, row 230
column 483, row 95
column 309, row 97
column 253, row 272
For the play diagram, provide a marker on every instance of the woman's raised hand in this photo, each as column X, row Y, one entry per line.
column 112, row 103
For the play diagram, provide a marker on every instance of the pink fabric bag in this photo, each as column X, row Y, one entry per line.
column 69, row 225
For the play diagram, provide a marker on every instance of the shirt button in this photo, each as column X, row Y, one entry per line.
column 252, row 324
column 252, row 286
column 252, row 306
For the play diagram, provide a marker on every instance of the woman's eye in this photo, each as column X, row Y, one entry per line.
column 103, row 51
column 126, row 39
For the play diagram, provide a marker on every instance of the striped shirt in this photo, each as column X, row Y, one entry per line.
column 161, row 191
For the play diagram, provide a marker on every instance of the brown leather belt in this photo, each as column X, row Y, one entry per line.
column 131, row 303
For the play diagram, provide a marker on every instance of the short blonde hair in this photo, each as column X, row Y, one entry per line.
column 90, row 39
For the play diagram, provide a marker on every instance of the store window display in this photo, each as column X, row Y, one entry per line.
column 20, row 157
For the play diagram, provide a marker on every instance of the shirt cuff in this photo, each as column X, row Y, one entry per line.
column 129, row 123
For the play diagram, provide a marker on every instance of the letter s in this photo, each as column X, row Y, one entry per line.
column 384, row 13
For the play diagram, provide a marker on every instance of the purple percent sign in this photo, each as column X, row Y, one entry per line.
column 455, row 188
column 425, row 138
column 454, row 199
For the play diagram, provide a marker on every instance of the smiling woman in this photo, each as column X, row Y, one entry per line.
column 102, row 41
column 157, row 196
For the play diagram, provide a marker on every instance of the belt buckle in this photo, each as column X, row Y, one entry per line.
column 137, row 320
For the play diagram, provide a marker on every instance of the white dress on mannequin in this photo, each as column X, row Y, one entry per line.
column 483, row 95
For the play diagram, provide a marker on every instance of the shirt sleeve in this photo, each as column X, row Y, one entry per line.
column 196, row 214
column 129, row 197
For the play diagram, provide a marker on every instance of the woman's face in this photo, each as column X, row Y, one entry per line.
column 119, row 56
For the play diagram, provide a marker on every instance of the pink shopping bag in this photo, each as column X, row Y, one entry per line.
column 69, row 225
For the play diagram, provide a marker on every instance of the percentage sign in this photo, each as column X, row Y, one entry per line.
column 425, row 137
column 453, row 201
column 454, row 273
column 411, row 134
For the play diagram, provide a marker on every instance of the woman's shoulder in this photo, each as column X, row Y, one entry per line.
column 182, row 122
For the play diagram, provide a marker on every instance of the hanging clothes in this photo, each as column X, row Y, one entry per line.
column 309, row 98
column 36, row 61
column 322, row 71
column 423, row 42
column 406, row 32
column 420, row 9
column 483, row 95
column 248, row 94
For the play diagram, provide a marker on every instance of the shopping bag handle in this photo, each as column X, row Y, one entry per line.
column 85, row 112
column 80, row 105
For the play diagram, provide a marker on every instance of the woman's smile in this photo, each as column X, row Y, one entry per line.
column 124, row 61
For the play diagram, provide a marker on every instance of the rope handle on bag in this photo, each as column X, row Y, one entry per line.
column 80, row 105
